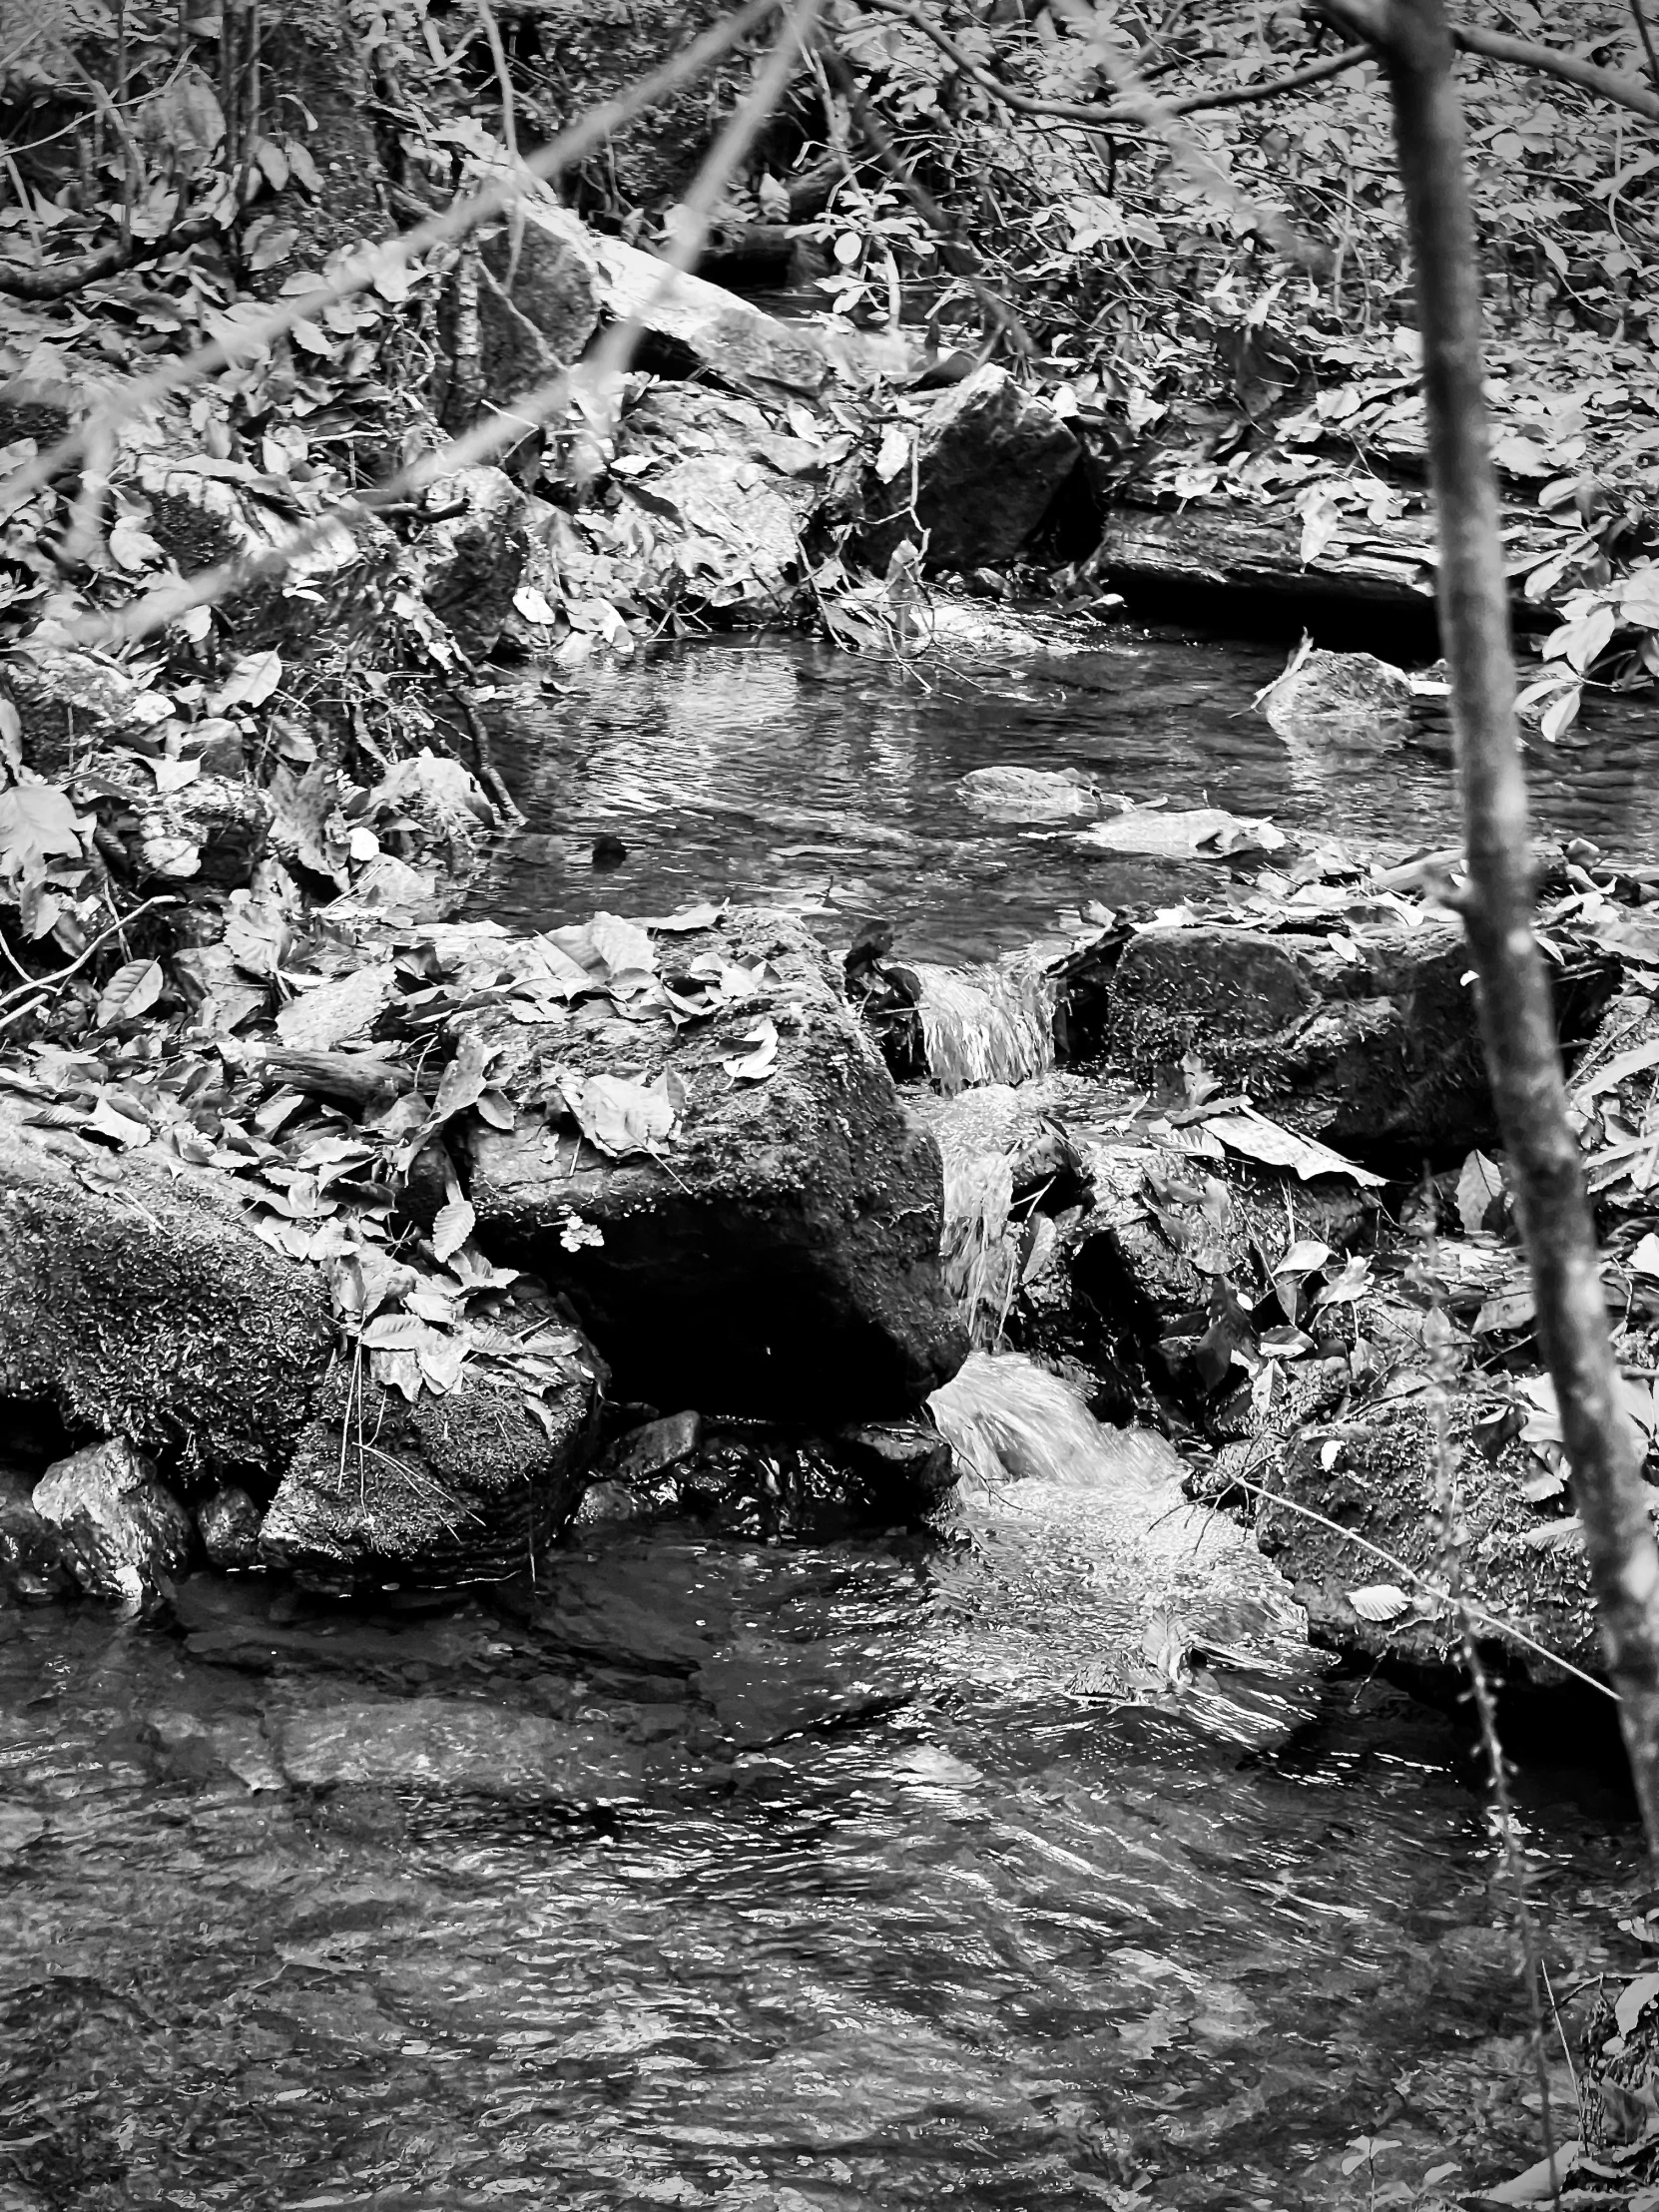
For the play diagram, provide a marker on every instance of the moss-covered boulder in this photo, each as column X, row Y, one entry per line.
column 469, row 1486
column 143, row 1307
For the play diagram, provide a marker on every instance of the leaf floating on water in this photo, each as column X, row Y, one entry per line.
column 756, row 1065
column 132, row 990
column 1379, row 1602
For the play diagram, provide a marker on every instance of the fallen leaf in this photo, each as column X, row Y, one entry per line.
column 319, row 1019
column 1259, row 1139
column 1480, row 1194
column 455, row 1223
column 618, row 1116
column 132, row 990
column 755, row 1066
column 1379, row 1602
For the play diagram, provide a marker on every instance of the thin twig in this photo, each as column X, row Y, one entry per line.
column 53, row 983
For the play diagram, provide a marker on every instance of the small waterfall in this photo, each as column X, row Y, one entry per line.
column 990, row 1025
column 1009, row 1421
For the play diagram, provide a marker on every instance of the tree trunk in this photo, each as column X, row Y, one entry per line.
column 1515, row 1016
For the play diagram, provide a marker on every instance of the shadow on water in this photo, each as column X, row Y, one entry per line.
column 779, row 771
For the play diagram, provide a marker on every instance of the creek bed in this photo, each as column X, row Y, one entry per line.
column 907, row 1871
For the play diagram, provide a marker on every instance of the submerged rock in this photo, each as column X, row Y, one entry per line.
column 1012, row 794
column 469, row 1487
column 774, row 1251
column 125, row 1535
column 447, row 1744
column 143, row 1307
column 989, row 458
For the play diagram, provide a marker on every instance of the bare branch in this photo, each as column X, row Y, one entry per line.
column 1369, row 19
column 1098, row 114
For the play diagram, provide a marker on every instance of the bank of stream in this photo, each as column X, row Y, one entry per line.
column 1032, row 1859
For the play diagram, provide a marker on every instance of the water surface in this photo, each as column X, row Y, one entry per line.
column 779, row 771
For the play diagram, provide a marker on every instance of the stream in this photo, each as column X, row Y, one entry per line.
column 1033, row 1860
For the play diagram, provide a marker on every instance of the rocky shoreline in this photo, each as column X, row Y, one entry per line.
column 382, row 1250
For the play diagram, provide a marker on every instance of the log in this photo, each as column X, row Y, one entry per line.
column 351, row 1078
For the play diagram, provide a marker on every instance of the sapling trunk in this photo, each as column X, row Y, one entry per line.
column 1516, row 1015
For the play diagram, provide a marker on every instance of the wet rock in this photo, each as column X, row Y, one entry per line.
column 781, row 1257
column 211, row 831
column 194, row 1747
column 897, row 1469
column 228, row 1522
column 1377, row 1477
column 1029, row 794
column 1360, row 1035
column 445, row 1744
column 714, row 331
column 656, row 1447
column 989, row 458
column 149, row 1310
column 467, row 1487
column 1338, row 698
column 125, row 1535
column 469, row 563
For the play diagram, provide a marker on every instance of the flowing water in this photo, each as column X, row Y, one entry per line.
column 783, row 772
column 1035, row 1861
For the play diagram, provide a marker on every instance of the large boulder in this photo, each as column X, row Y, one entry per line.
column 471, row 1487
column 989, row 458
column 714, row 331
column 1352, row 1029
column 1375, row 1476
column 544, row 280
column 144, row 1308
column 774, row 1250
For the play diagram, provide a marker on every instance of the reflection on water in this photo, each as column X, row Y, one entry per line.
column 927, row 1879
column 781, row 771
